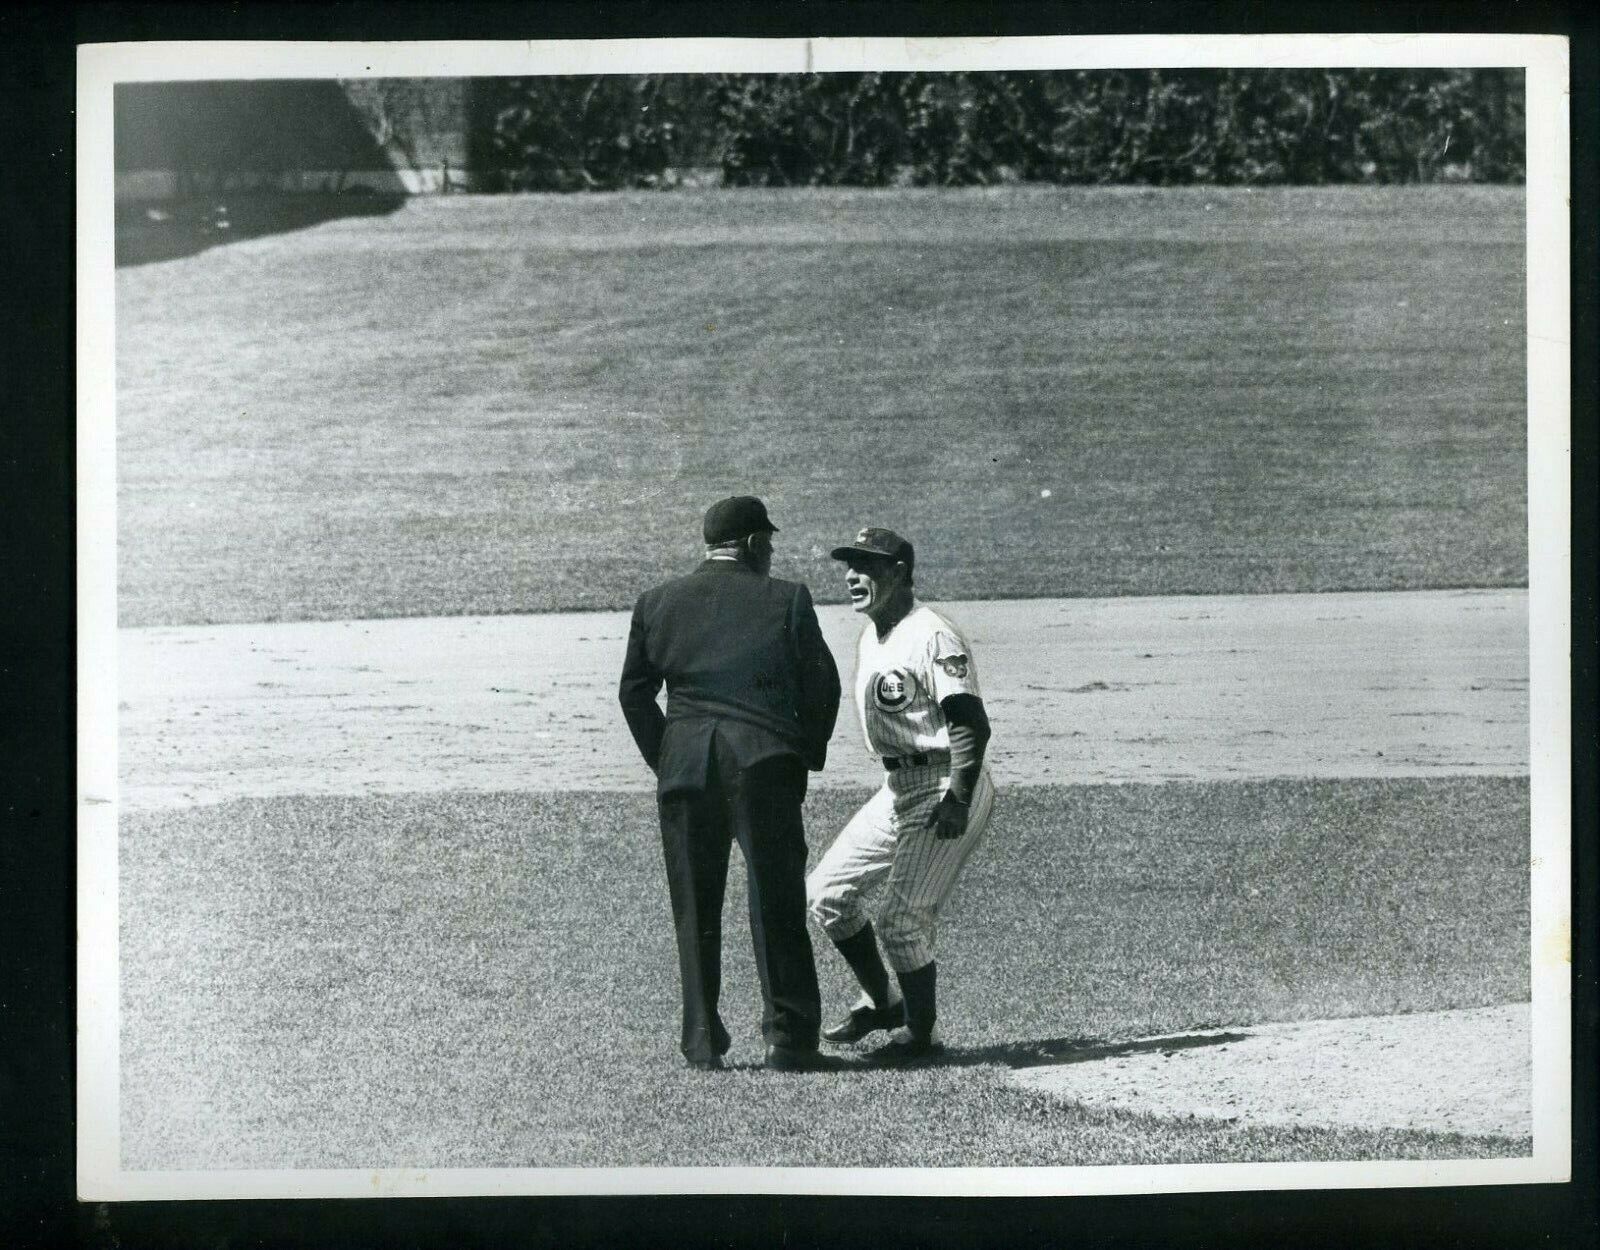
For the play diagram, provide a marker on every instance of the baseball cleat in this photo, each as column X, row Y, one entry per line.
column 713, row 1064
column 864, row 1020
column 904, row 1046
column 788, row 1059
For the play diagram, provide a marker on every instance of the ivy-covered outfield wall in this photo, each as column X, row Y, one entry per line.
column 1156, row 127
column 1152, row 126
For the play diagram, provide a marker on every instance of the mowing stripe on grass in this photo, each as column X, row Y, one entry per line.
column 501, row 404
column 459, row 979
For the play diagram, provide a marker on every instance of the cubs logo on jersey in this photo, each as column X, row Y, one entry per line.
column 899, row 681
column 893, row 690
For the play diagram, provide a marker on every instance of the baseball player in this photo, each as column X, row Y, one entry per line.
column 916, row 691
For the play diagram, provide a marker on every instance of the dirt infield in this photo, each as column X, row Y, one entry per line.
column 1448, row 1071
column 1424, row 683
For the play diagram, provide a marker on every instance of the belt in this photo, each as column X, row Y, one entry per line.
column 921, row 760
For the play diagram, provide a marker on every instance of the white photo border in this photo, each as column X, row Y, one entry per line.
column 1545, row 62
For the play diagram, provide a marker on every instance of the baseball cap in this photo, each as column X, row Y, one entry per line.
column 874, row 541
column 732, row 518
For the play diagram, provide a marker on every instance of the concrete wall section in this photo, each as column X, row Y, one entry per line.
column 176, row 140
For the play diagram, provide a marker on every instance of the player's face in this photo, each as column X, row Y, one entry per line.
column 871, row 581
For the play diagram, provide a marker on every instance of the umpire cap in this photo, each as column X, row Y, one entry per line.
column 874, row 541
column 736, row 517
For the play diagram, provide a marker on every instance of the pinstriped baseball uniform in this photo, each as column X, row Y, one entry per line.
column 899, row 682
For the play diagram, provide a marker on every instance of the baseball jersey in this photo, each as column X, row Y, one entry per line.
column 900, row 680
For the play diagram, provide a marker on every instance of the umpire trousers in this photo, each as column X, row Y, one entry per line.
column 758, row 807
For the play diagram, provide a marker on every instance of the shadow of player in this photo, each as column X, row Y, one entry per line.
column 1055, row 1051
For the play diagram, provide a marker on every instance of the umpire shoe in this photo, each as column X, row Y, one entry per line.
column 790, row 1059
column 906, row 1046
column 866, row 1019
column 713, row 1064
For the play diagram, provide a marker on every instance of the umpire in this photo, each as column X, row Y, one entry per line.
column 752, row 694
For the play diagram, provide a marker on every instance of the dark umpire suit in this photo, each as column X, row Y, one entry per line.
column 752, row 694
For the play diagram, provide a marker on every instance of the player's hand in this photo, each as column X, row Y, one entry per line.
column 949, row 819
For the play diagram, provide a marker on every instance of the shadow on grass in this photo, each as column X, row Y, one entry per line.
column 1063, row 1050
column 176, row 228
column 1048, row 1052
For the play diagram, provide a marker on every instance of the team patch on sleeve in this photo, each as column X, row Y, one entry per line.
column 952, row 667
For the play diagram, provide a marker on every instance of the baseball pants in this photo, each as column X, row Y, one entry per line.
column 888, row 842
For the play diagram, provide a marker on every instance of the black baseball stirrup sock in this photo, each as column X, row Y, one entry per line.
column 860, row 951
column 919, row 987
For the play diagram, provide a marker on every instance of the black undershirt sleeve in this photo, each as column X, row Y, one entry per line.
column 969, row 737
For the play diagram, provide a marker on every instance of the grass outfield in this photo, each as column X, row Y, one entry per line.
column 507, row 404
column 457, row 980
